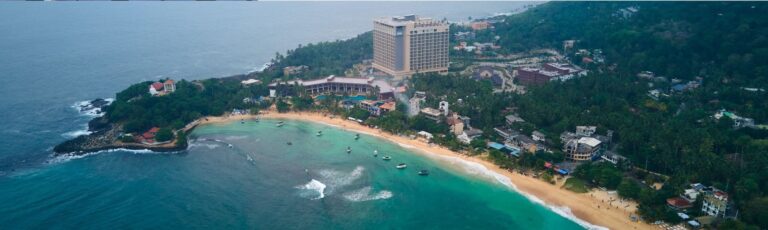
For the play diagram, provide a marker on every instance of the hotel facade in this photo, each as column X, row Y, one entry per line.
column 406, row 45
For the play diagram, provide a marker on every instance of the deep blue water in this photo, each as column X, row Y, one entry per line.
column 54, row 55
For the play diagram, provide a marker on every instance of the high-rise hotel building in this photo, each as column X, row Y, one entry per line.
column 406, row 45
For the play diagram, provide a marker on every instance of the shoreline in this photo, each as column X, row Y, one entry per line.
column 586, row 209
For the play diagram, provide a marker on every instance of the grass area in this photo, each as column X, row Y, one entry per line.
column 576, row 185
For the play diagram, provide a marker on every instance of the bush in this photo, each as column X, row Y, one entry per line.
column 164, row 134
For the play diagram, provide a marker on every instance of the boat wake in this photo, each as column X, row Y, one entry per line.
column 364, row 194
column 314, row 190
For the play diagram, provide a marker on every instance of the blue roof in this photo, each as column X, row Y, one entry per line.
column 513, row 151
column 562, row 171
column 495, row 145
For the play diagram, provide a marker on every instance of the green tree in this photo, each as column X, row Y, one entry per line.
column 164, row 134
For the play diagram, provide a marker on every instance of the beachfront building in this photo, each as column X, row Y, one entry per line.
column 431, row 113
column 377, row 108
column 410, row 44
column 414, row 104
column 582, row 149
column 338, row 85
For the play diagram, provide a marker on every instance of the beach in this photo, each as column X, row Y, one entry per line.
column 594, row 207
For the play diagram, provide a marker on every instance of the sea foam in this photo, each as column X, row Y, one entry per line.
column 364, row 194
column 314, row 186
column 70, row 156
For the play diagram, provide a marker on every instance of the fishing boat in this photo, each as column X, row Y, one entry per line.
column 401, row 166
column 423, row 172
column 280, row 124
column 386, row 158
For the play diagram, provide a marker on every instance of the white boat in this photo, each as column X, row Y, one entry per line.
column 280, row 124
column 319, row 133
column 386, row 158
column 423, row 172
column 349, row 150
column 375, row 153
column 401, row 166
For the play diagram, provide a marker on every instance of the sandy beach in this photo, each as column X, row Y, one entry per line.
column 596, row 207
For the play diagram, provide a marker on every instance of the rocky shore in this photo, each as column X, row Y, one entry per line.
column 104, row 135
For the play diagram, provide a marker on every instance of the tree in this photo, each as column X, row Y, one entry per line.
column 629, row 189
column 281, row 106
column 164, row 134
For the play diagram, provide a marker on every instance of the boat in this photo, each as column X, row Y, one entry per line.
column 230, row 146
column 319, row 133
column 280, row 124
column 386, row 158
column 375, row 153
column 357, row 136
column 349, row 150
column 289, row 143
column 423, row 172
column 401, row 166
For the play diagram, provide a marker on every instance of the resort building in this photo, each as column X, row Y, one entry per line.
column 715, row 202
column 431, row 113
column 337, row 85
column 409, row 44
column 582, row 149
column 414, row 104
column 377, row 108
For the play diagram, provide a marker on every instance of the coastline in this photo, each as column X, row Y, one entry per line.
column 589, row 209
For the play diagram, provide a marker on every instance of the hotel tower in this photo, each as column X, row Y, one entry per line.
column 406, row 45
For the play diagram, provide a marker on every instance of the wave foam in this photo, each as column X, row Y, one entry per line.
column 70, row 156
column 337, row 179
column 76, row 133
column 314, row 186
column 479, row 169
column 364, row 194
column 87, row 109
column 199, row 145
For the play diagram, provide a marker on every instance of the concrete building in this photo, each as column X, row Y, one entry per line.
column 431, row 113
column 443, row 107
column 409, row 44
column 582, row 149
column 337, row 85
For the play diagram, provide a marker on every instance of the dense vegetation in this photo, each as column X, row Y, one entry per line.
column 724, row 43
column 324, row 58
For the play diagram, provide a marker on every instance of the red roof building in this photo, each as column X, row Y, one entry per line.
column 157, row 86
column 150, row 134
column 679, row 203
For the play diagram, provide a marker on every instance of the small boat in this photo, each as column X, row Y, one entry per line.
column 375, row 153
column 319, row 133
column 423, row 172
column 230, row 145
column 349, row 150
column 386, row 158
column 357, row 136
column 401, row 166
column 280, row 124
column 242, row 121
column 289, row 143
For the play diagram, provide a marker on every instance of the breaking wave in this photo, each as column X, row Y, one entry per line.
column 76, row 133
column 314, row 189
column 364, row 194
column 200, row 145
column 87, row 109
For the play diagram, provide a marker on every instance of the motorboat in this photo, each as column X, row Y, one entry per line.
column 401, row 166
column 349, row 149
column 319, row 133
column 386, row 158
column 280, row 124
column 375, row 153
column 423, row 172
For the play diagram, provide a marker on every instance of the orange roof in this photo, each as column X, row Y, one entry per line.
column 169, row 81
column 154, row 130
column 157, row 85
column 678, row 202
column 388, row 106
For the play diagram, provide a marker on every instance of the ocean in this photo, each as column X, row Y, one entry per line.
column 54, row 56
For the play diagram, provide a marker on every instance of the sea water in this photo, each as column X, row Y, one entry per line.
column 55, row 56
column 262, row 182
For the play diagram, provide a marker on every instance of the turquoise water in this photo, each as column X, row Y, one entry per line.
column 261, row 182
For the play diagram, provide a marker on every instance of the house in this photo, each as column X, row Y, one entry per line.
column 149, row 135
column 582, row 149
column 513, row 118
column 505, row 133
column 538, row 136
column 377, row 108
column 523, row 142
column 456, row 125
column 432, row 114
column 250, row 82
column 585, row 131
column 716, row 202
column 467, row 136
column 162, row 88
column 510, row 150
column 738, row 121
column 387, row 107
column 292, row 70
column 155, row 88
column 612, row 157
column 444, row 108
column 678, row 203
column 459, row 36
column 426, row 135
column 481, row 25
